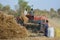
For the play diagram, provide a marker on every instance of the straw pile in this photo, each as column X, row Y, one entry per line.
column 25, row 19
column 9, row 27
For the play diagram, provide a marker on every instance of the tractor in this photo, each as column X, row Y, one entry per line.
column 35, row 23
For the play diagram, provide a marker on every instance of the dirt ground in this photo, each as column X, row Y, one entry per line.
column 33, row 38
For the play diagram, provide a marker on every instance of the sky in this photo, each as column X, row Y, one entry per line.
column 37, row 4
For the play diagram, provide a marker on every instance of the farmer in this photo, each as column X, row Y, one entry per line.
column 31, row 13
column 25, row 12
column 46, row 28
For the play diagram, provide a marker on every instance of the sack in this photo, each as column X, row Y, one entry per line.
column 51, row 32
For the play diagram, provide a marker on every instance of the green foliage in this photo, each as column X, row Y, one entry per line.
column 6, row 8
column 11, row 12
column 22, row 5
column 28, row 8
column 41, row 12
column 37, row 12
column 51, row 10
column 58, row 11
column 1, row 6
column 53, row 13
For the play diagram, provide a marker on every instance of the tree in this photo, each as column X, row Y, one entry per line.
column 1, row 6
column 52, row 12
column 6, row 8
column 58, row 11
column 37, row 12
column 22, row 5
column 28, row 8
column 11, row 12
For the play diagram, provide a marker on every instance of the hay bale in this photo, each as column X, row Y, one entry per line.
column 9, row 28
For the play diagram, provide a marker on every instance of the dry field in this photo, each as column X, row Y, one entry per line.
column 8, row 22
column 54, row 22
column 33, row 38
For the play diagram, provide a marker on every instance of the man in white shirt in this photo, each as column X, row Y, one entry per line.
column 25, row 12
column 25, row 18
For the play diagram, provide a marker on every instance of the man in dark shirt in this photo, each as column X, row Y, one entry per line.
column 31, row 13
column 46, row 28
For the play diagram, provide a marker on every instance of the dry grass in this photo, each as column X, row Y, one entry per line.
column 33, row 38
column 54, row 22
column 24, row 18
column 9, row 27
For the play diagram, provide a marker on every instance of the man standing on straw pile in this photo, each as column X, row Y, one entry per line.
column 25, row 12
column 24, row 18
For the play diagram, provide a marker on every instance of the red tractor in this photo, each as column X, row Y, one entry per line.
column 35, row 23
